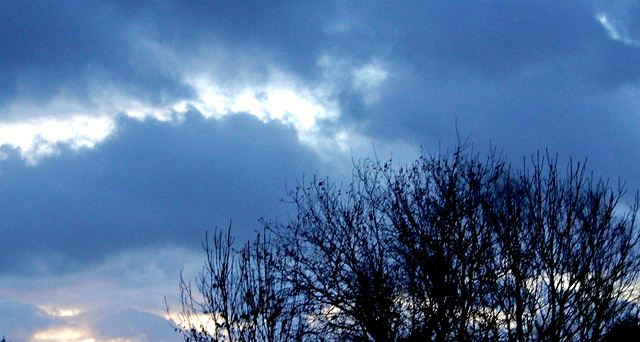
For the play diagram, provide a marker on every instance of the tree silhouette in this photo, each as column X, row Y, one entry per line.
column 623, row 330
column 451, row 247
column 240, row 296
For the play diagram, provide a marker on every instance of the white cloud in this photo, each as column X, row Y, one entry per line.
column 367, row 80
column 253, row 86
column 282, row 97
column 36, row 137
column 56, row 312
column 616, row 29
column 285, row 98
column 58, row 119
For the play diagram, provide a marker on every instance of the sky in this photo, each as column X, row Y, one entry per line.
column 130, row 128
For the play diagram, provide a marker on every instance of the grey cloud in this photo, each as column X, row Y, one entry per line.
column 20, row 320
column 49, row 48
column 150, row 183
column 290, row 32
column 146, row 51
column 490, row 37
column 130, row 324
column 545, row 109
column 50, row 45
column 522, row 75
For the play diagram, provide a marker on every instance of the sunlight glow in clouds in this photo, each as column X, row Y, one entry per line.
column 36, row 137
column 55, row 312
column 282, row 97
column 339, row 80
column 61, row 119
column 62, row 334
column 303, row 107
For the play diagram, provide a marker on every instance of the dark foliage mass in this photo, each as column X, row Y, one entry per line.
column 452, row 247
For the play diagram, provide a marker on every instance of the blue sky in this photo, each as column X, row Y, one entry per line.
column 128, row 129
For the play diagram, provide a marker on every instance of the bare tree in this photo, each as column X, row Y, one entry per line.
column 452, row 247
column 514, row 259
column 583, row 262
column 437, row 210
column 241, row 295
column 339, row 258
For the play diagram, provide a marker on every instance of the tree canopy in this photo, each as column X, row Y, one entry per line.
column 452, row 247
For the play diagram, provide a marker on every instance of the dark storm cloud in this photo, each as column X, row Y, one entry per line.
column 52, row 47
column 524, row 75
column 492, row 37
column 144, row 48
column 48, row 46
column 290, row 33
column 450, row 45
column 150, row 183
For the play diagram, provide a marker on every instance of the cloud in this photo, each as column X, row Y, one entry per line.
column 132, row 325
column 523, row 75
column 21, row 320
column 119, row 299
column 70, row 48
column 26, row 322
column 620, row 19
column 149, row 183
column 143, row 125
column 138, row 278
